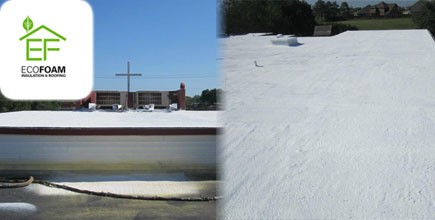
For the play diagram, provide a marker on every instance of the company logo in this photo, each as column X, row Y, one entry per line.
column 46, row 50
column 37, row 48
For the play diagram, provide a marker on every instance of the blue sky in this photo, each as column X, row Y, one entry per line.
column 168, row 41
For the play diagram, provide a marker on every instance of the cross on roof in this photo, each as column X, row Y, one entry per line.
column 128, row 74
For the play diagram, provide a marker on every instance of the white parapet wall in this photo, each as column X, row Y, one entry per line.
column 51, row 152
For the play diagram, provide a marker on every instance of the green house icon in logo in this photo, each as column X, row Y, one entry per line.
column 41, row 45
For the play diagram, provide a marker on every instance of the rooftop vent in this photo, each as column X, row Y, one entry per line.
column 288, row 41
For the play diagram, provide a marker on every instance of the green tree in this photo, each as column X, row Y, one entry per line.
column 299, row 18
column 345, row 11
column 47, row 105
column 193, row 102
column 7, row 105
column 243, row 16
column 331, row 11
column 319, row 10
column 340, row 28
column 426, row 18
column 208, row 98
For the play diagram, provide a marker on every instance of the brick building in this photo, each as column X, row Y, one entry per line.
column 104, row 99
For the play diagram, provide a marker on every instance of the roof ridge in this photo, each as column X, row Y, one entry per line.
column 46, row 28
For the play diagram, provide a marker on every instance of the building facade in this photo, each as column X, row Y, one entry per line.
column 105, row 99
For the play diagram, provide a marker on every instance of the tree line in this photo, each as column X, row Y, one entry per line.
column 208, row 100
column 426, row 17
column 297, row 17
column 280, row 16
column 7, row 105
column 330, row 11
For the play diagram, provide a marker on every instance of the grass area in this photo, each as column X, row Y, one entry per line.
column 382, row 23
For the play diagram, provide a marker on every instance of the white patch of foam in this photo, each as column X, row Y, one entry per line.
column 339, row 127
column 19, row 207
column 142, row 188
column 109, row 119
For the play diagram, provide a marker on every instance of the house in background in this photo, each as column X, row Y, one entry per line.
column 381, row 9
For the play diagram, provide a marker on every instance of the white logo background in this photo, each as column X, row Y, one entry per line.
column 73, row 19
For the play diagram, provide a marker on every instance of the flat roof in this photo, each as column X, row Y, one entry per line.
column 100, row 119
column 338, row 127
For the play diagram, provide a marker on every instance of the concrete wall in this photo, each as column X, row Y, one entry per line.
column 165, row 98
column 123, row 98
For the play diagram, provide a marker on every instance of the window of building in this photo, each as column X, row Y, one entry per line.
column 108, row 98
column 145, row 98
